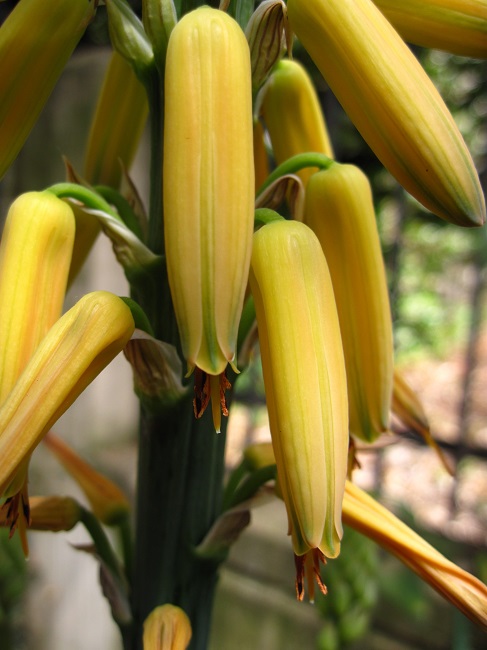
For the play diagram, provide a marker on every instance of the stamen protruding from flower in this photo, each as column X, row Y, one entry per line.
column 308, row 568
column 17, row 515
column 212, row 387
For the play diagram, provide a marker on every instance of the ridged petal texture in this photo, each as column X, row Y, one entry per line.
column 293, row 115
column 392, row 102
column 35, row 255
column 74, row 351
column 305, row 381
column 340, row 210
column 117, row 125
column 208, row 183
column 457, row 26
column 36, row 41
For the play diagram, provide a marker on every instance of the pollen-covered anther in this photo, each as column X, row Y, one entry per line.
column 15, row 513
column 308, row 568
column 210, row 387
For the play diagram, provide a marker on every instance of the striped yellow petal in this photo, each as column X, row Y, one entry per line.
column 393, row 103
column 293, row 115
column 339, row 208
column 208, row 183
column 35, row 254
column 305, row 382
column 456, row 26
column 36, row 41
column 71, row 355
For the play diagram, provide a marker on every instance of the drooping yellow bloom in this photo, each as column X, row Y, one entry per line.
column 74, row 351
column 457, row 26
column 52, row 513
column 117, row 126
column 305, row 384
column 208, row 185
column 108, row 503
column 261, row 160
column 36, row 41
column 293, row 115
column 392, row 102
column 467, row 593
column 35, row 254
column 167, row 628
column 406, row 406
column 340, row 210
column 363, row 513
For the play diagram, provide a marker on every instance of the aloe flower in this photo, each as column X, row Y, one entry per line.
column 74, row 351
column 293, row 115
column 366, row 515
column 167, row 628
column 35, row 256
column 52, row 513
column 305, row 385
column 117, row 126
column 36, row 41
column 467, row 593
column 393, row 104
column 340, row 210
column 208, row 180
column 108, row 503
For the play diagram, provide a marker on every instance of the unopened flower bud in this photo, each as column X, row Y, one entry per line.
column 167, row 628
column 108, row 503
column 293, row 115
column 266, row 34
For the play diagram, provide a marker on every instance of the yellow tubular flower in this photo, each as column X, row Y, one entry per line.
column 51, row 513
column 167, row 628
column 408, row 409
column 117, row 125
column 340, row 210
column 36, row 41
column 35, row 255
column 261, row 160
column 305, row 384
column 108, row 503
column 456, row 26
column 467, row 593
column 208, row 185
column 293, row 115
column 392, row 102
column 71, row 355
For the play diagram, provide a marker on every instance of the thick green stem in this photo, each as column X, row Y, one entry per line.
column 181, row 463
column 179, row 497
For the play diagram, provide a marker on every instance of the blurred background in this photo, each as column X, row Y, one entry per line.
column 437, row 278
